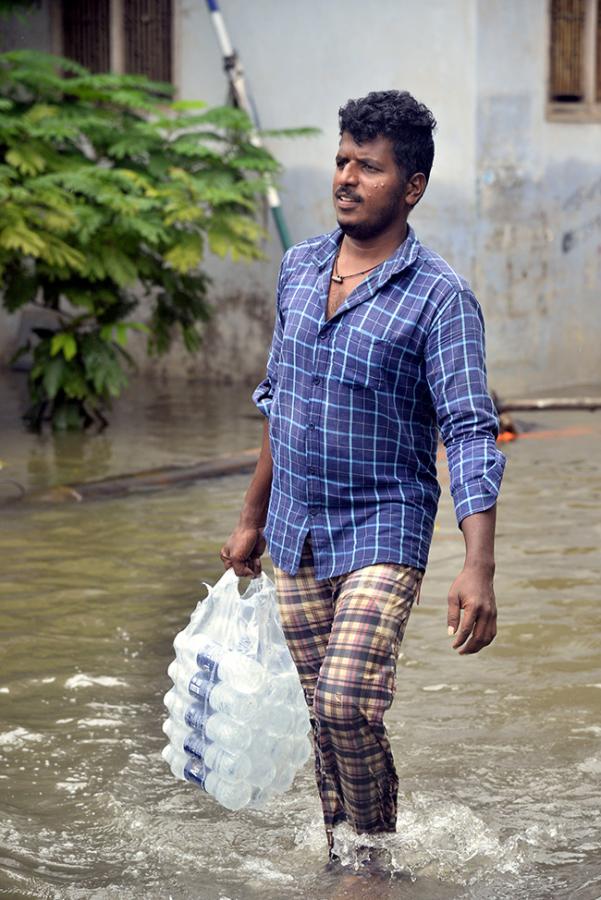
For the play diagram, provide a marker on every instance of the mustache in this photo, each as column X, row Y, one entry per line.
column 350, row 195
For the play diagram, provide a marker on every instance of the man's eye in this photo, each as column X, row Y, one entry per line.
column 340, row 163
column 370, row 167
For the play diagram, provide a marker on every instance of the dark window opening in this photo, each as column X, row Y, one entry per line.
column 86, row 33
column 147, row 38
column 598, row 48
column 141, row 46
column 568, row 21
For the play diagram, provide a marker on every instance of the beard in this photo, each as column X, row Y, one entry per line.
column 381, row 220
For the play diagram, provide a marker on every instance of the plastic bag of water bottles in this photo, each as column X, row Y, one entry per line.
column 238, row 723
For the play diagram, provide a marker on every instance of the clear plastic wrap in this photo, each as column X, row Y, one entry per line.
column 238, row 723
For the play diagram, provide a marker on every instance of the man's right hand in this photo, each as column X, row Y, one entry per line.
column 243, row 550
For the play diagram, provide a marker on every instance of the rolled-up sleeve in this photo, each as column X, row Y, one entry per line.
column 263, row 393
column 466, row 416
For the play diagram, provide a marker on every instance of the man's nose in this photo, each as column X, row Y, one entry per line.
column 349, row 173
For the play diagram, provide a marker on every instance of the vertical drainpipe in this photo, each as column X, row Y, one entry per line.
column 235, row 74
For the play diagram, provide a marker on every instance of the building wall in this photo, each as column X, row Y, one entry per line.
column 513, row 200
column 538, row 188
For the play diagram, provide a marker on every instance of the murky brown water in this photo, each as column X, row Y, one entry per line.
column 499, row 755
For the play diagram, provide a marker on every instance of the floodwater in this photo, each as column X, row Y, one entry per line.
column 499, row 755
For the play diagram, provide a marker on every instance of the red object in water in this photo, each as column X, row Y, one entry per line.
column 507, row 436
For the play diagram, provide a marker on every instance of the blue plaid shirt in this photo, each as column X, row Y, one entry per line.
column 355, row 404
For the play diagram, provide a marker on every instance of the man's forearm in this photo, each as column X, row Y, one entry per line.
column 479, row 535
column 256, row 499
column 472, row 612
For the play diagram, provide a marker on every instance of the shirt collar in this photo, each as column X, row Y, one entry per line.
column 403, row 256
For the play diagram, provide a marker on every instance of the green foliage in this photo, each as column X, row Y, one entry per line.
column 109, row 194
column 17, row 7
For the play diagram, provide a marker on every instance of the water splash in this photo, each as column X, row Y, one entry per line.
column 434, row 837
column 18, row 737
column 83, row 680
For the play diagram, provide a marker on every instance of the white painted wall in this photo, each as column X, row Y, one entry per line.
column 538, row 264
column 304, row 60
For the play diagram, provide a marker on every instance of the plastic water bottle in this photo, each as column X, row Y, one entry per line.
column 260, row 797
column 284, row 688
column 185, row 711
column 302, row 724
column 284, row 777
column 216, row 727
column 231, row 794
column 176, row 760
column 233, row 766
column 262, row 768
column 242, row 673
column 262, row 743
column 222, row 697
column 177, row 704
column 238, row 670
column 301, row 752
column 283, row 748
column 276, row 719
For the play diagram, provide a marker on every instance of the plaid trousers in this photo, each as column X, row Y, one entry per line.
column 344, row 635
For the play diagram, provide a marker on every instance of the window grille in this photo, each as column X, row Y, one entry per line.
column 133, row 36
column 575, row 60
column 147, row 38
column 598, row 73
column 86, row 33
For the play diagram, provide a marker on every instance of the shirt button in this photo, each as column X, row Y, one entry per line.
column 311, row 426
column 316, row 379
column 312, row 470
column 312, row 511
column 323, row 336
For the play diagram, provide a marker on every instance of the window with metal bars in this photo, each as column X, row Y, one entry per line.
column 575, row 60
column 147, row 38
column 86, row 33
column 132, row 36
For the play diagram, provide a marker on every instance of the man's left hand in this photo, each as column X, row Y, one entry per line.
column 472, row 610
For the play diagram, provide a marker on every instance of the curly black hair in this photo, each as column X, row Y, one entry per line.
column 398, row 116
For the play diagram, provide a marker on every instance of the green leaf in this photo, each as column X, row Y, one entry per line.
column 118, row 332
column 65, row 342
column 60, row 254
column 74, row 384
column 26, row 159
column 186, row 254
column 20, row 237
column 119, row 266
column 53, row 376
column 183, row 105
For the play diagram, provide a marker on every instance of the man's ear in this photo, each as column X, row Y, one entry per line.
column 414, row 188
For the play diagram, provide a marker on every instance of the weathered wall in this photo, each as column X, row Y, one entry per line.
column 538, row 237
column 513, row 202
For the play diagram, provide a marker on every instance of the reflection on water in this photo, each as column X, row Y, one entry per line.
column 499, row 755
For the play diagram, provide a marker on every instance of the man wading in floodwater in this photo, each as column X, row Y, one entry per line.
column 378, row 343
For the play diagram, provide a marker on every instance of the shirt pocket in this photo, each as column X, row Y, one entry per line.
column 360, row 361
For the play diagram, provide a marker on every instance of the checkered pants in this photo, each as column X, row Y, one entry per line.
column 344, row 635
